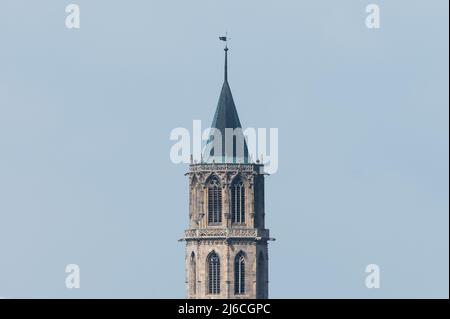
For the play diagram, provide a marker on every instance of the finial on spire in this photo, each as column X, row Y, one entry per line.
column 225, row 38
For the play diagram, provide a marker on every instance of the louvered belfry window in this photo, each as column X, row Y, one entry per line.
column 237, row 202
column 213, row 273
column 214, row 201
column 239, row 274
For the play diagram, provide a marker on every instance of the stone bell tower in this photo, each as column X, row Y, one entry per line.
column 226, row 242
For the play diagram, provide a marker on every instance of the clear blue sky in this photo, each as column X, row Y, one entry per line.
column 85, row 118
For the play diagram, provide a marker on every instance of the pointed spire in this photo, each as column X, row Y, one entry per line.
column 226, row 117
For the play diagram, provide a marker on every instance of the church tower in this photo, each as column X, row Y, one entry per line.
column 226, row 242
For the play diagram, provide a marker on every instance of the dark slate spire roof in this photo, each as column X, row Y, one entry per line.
column 226, row 116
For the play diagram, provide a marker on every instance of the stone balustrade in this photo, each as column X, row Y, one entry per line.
column 200, row 233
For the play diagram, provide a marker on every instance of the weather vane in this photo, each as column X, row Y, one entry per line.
column 225, row 38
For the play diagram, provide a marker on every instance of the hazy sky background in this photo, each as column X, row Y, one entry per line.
column 85, row 118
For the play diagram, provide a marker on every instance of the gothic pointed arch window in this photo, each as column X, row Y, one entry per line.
column 237, row 201
column 193, row 199
column 214, row 201
column 213, row 273
column 239, row 274
column 193, row 275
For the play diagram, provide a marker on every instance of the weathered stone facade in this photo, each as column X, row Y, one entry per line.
column 227, row 239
